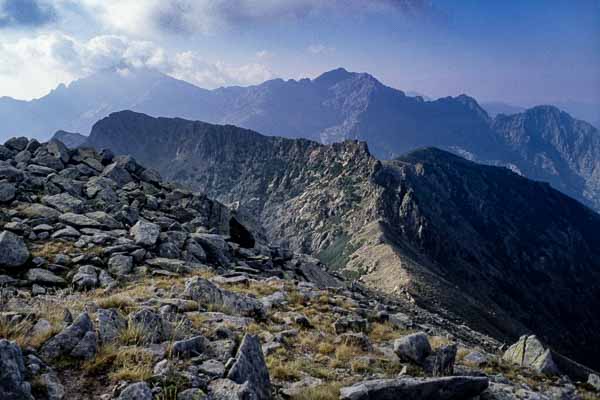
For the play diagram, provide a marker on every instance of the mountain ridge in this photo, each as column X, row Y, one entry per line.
column 383, row 220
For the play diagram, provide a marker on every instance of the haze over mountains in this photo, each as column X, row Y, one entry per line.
column 457, row 236
column 542, row 143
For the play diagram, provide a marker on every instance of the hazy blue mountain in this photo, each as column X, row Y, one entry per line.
column 494, row 108
column 70, row 139
column 335, row 106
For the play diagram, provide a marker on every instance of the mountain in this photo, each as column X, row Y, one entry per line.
column 494, row 108
column 335, row 106
column 118, row 285
column 70, row 139
column 477, row 243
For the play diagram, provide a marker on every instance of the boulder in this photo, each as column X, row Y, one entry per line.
column 136, row 391
column 13, row 251
column 110, row 324
column 54, row 389
column 120, row 264
column 7, row 192
column 207, row 293
column 117, row 174
column 154, row 328
column 63, row 202
column 11, row 173
column 86, row 278
column 225, row 389
column 448, row 388
column 191, row 347
column 250, row 367
column 64, row 342
column 43, row 276
column 414, row 347
column 443, row 362
column 529, row 352
column 145, row 233
column 87, row 346
column 191, row 394
column 17, row 143
column 594, row 381
column 13, row 385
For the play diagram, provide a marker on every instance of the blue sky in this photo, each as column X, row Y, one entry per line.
column 522, row 52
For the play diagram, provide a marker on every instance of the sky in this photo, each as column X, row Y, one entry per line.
column 522, row 52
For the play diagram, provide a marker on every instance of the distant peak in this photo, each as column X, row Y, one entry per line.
column 334, row 76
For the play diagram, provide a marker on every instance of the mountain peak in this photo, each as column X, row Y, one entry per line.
column 334, row 76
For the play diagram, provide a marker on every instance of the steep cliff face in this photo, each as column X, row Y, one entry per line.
column 475, row 242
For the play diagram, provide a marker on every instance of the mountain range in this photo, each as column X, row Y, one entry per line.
column 474, row 242
column 541, row 143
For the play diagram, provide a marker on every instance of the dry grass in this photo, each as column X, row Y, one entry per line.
column 17, row 331
column 117, row 301
column 327, row 391
column 134, row 334
column 50, row 249
column 345, row 352
column 438, row 341
column 383, row 332
column 255, row 288
column 121, row 363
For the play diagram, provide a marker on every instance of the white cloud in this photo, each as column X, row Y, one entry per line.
column 154, row 17
column 192, row 67
column 319, row 48
column 30, row 67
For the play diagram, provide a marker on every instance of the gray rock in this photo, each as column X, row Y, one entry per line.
column 476, row 359
column 105, row 220
column 48, row 160
column 54, row 389
column 13, row 251
column 13, row 385
column 117, row 174
column 250, row 367
column 110, row 324
column 594, row 381
column 86, row 278
column 11, row 174
column 153, row 326
column 43, row 276
column 414, row 347
column 120, row 264
column 63, row 202
column 207, row 293
column 63, row 343
column 354, row 324
column 87, row 346
column 78, row 220
column 145, row 233
column 6, row 153
column 449, row 388
column 216, row 247
column 7, row 192
column 212, row 368
column 17, row 143
column 443, row 363
column 191, row 394
column 136, row 391
column 37, row 210
column 150, row 175
column 58, row 150
column 528, row 351
column 189, row 348
column 106, row 281
column 225, row 389
column 66, row 232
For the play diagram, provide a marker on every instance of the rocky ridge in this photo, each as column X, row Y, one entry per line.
column 116, row 285
column 415, row 227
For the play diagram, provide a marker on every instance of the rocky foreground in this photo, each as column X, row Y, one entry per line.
column 116, row 285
